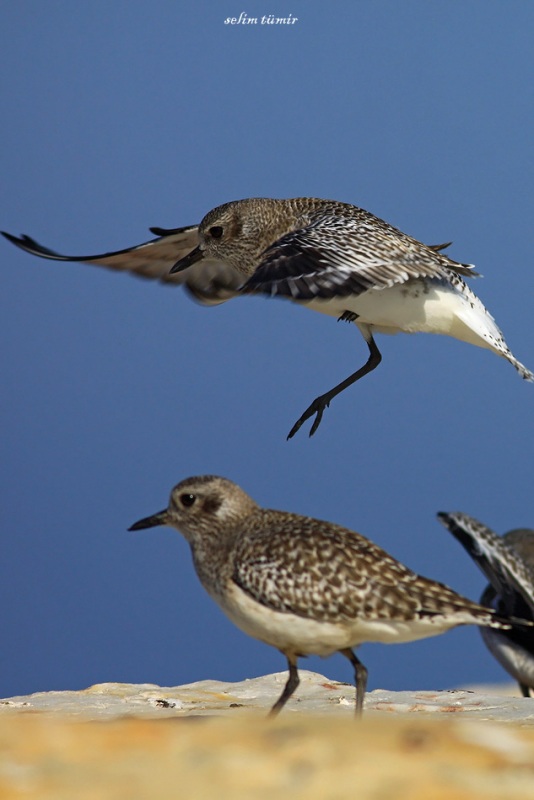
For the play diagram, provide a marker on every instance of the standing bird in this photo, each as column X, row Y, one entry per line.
column 305, row 586
column 329, row 256
column 508, row 563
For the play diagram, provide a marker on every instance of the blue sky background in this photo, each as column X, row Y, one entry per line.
column 121, row 115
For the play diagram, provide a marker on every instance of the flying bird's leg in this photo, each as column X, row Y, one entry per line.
column 323, row 401
column 360, row 678
column 292, row 683
column 525, row 691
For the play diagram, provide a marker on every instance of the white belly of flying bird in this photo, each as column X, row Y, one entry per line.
column 328, row 256
column 430, row 306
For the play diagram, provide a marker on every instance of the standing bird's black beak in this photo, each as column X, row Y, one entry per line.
column 185, row 262
column 161, row 518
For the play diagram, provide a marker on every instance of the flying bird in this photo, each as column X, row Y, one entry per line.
column 329, row 256
column 508, row 563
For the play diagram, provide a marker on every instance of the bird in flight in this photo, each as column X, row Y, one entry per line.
column 332, row 257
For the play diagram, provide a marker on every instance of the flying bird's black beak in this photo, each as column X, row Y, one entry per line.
column 161, row 518
column 185, row 262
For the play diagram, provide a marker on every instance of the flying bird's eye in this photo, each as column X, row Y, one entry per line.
column 187, row 500
column 216, row 231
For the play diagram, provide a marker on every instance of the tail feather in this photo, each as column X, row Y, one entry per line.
column 478, row 321
column 525, row 373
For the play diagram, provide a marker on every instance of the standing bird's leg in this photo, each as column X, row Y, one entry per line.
column 292, row 683
column 323, row 401
column 360, row 679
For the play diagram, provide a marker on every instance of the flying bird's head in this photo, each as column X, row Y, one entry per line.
column 237, row 234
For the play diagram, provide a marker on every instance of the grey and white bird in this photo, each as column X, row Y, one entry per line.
column 305, row 586
column 329, row 256
column 508, row 563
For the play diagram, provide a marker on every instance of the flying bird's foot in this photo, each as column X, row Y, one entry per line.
column 323, row 401
column 348, row 316
column 317, row 407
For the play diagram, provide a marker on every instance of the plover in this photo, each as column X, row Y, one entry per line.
column 508, row 563
column 329, row 256
column 305, row 586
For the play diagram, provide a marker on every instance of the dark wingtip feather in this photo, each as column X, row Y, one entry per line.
column 29, row 245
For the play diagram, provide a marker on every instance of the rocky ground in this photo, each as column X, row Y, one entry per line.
column 212, row 740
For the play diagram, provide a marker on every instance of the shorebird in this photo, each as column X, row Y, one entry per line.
column 508, row 563
column 305, row 586
column 329, row 256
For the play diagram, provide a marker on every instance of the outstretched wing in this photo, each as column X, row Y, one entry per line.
column 209, row 282
column 339, row 254
column 511, row 577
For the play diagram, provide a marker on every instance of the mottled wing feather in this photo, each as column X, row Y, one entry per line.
column 342, row 254
column 330, row 573
column 208, row 281
column 152, row 259
column 506, row 571
column 522, row 541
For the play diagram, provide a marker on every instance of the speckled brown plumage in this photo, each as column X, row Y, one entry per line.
column 325, row 572
column 303, row 585
column 331, row 257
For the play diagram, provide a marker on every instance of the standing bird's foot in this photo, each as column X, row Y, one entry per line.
column 293, row 681
column 360, row 679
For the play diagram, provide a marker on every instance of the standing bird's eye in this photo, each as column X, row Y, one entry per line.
column 216, row 231
column 187, row 500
